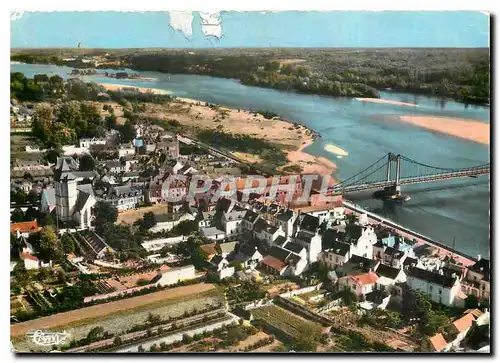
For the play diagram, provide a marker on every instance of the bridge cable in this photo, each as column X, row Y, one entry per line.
column 362, row 171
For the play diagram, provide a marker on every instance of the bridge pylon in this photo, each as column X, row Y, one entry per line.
column 396, row 160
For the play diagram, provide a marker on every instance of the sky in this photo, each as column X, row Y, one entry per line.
column 460, row 29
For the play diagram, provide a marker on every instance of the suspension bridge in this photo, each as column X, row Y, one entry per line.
column 393, row 171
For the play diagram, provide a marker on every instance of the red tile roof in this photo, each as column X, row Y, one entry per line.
column 464, row 322
column 30, row 226
column 365, row 279
column 438, row 342
column 29, row 256
column 274, row 263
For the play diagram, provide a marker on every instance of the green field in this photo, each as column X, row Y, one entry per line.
column 283, row 320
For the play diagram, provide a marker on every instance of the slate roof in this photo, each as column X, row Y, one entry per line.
column 280, row 241
column 305, row 236
column 309, row 222
column 262, row 225
column 482, row 267
column 250, row 216
column 279, row 253
column 340, row 248
column 409, row 261
column 86, row 188
column 211, row 231
column 247, row 250
column 329, row 237
column 81, row 200
column 431, row 276
column 393, row 252
column 294, row 247
column 285, row 216
column 387, row 271
column 63, row 171
column 216, row 259
column 357, row 264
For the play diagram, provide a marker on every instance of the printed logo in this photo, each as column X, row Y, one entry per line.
column 42, row 338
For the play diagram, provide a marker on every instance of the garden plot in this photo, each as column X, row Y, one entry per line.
column 286, row 322
column 119, row 316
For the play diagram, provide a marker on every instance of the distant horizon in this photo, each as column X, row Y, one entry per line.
column 232, row 29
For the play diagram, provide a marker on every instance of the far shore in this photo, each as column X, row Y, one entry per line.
column 291, row 136
column 472, row 130
column 389, row 102
column 116, row 87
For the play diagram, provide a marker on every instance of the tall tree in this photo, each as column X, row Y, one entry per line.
column 87, row 163
column 17, row 215
column 105, row 213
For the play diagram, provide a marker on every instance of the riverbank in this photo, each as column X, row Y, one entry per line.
column 290, row 136
column 311, row 164
column 117, row 87
column 462, row 128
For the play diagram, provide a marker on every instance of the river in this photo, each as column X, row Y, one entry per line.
column 457, row 216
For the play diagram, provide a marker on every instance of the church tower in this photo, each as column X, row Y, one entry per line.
column 65, row 191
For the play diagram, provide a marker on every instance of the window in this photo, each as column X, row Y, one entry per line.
column 430, row 288
column 440, row 291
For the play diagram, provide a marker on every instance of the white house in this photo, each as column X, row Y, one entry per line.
column 266, row 232
column 477, row 279
column 389, row 276
column 284, row 262
column 221, row 266
column 86, row 142
column 337, row 255
column 364, row 245
column 394, row 257
column 213, row 233
column 249, row 220
column 312, row 242
column 249, row 256
column 440, row 288
column 286, row 219
column 232, row 220
column 124, row 197
column 126, row 149
column 30, row 262
column 359, row 284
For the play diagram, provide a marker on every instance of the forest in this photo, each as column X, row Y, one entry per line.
column 461, row 74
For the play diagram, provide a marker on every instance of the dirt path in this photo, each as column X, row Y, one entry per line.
column 96, row 311
column 251, row 340
column 269, row 347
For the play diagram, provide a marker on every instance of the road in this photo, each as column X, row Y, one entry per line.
column 178, row 336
